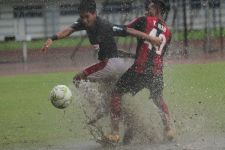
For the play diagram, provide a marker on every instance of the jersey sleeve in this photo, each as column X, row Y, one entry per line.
column 78, row 25
column 138, row 24
column 119, row 30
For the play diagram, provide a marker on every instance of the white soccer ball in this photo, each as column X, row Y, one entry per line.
column 60, row 96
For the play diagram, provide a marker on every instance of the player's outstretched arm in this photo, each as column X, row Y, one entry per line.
column 59, row 35
column 154, row 40
column 122, row 30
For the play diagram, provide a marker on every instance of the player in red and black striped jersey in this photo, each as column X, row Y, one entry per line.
column 147, row 70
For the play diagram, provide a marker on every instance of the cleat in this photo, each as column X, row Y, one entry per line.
column 109, row 141
column 169, row 134
column 113, row 138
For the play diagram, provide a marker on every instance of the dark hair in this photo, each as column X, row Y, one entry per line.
column 87, row 6
column 163, row 4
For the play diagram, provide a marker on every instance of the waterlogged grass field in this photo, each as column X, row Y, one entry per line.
column 195, row 94
column 27, row 115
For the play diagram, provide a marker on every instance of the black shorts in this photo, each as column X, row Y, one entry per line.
column 133, row 82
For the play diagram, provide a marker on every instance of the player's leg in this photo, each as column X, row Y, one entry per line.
column 86, row 73
column 107, row 78
column 127, row 83
column 109, row 70
column 130, row 120
column 106, row 73
column 156, row 89
column 112, row 71
column 103, row 109
column 129, row 125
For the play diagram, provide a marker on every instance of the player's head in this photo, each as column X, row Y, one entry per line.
column 155, row 7
column 87, row 11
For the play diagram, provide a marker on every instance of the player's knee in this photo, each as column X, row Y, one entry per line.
column 77, row 78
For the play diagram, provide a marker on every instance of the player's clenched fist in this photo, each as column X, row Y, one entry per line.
column 47, row 44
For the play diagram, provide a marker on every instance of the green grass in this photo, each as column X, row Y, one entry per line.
column 27, row 115
column 72, row 42
column 195, row 94
column 37, row 44
column 198, row 34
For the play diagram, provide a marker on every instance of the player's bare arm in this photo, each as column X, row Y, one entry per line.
column 154, row 40
column 59, row 35
column 121, row 30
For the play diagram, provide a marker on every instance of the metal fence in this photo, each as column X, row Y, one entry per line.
column 197, row 25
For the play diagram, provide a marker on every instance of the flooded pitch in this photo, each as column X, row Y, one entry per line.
column 206, row 143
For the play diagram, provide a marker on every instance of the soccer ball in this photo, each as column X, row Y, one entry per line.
column 60, row 96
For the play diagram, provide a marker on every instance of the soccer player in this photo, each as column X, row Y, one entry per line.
column 101, row 34
column 147, row 70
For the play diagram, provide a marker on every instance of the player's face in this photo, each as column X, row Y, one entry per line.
column 88, row 18
column 151, row 10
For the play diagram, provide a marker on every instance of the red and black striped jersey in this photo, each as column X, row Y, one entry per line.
column 149, row 57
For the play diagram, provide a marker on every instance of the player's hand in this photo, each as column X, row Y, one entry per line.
column 154, row 40
column 47, row 44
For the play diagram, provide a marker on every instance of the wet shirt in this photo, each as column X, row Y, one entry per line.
column 100, row 34
column 149, row 58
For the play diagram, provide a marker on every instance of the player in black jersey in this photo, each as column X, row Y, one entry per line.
column 101, row 34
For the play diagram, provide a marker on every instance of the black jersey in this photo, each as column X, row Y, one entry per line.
column 102, row 34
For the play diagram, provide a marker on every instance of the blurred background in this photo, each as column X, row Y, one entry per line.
column 197, row 27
